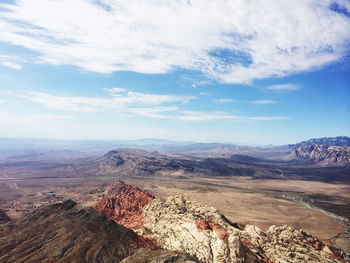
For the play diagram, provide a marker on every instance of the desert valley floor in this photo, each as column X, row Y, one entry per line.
column 319, row 207
column 305, row 186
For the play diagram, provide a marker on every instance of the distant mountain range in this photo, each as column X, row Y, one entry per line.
column 322, row 151
column 323, row 155
column 342, row 141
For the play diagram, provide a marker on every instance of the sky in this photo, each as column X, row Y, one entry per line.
column 246, row 72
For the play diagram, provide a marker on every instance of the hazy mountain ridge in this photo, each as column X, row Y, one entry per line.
column 323, row 155
column 126, row 163
column 342, row 141
column 12, row 150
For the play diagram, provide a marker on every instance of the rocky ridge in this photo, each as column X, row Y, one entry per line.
column 123, row 203
column 4, row 218
column 136, row 163
column 66, row 232
column 201, row 231
column 323, row 155
column 342, row 141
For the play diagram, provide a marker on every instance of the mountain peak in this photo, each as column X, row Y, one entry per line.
column 123, row 203
column 342, row 141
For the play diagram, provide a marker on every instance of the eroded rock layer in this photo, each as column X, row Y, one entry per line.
column 66, row 233
column 4, row 217
column 158, row 256
column 201, row 231
column 123, row 203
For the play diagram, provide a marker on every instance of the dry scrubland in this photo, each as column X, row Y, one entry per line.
column 242, row 200
column 261, row 192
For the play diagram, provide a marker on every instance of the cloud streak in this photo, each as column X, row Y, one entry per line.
column 221, row 101
column 287, row 87
column 231, row 41
column 263, row 102
column 129, row 103
column 93, row 104
column 10, row 62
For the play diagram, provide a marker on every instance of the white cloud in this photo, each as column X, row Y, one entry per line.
column 263, row 102
column 200, row 83
column 223, row 101
column 154, row 112
column 288, row 87
column 266, row 118
column 2, row 101
column 204, row 93
column 232, row 41
column 205, row 116
column 133, row 104
column 218, row 115
column 12, row 65
column 116, row 90
column 93, row 104
column 10, row 61
column 29, row 118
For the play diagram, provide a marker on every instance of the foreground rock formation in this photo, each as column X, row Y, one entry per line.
column 201, row 231
column 4, row 217
column 66, row 233
column 123, row 203
column 175, row 230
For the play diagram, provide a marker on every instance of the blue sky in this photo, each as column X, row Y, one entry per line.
column 257, row 73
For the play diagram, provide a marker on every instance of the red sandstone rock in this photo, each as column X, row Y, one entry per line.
column 4, row 217
column 208, row 226
column 319, row 245
column 247, row 243
column 264, row 258
column 123, row 203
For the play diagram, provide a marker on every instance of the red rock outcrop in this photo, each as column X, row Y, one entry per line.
column 4, row 217
column 179, row 224
column 333, row 252
column 123, row 203
column 208, row 226
column 263, row 258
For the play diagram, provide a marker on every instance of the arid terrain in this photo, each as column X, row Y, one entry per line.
column 246, row 190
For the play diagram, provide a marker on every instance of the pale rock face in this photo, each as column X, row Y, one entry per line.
column 203, row 232
column 324, row 155
column 207, row 236
column 172, row 223
column 283, row 244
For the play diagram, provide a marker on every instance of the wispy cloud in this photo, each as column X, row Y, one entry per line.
column 5, row 116
column 155, row 112
column 205, row 116
column 263, row 102
column 238, row 42
column 288, row 87
column 10, row 62
column 221, row 101
column 200, row 83
column 218, row 115
column 2, row 101
column 134, row 104
column 267, row 118
column 93, row 104
column 115, row 90
column 205, row 94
